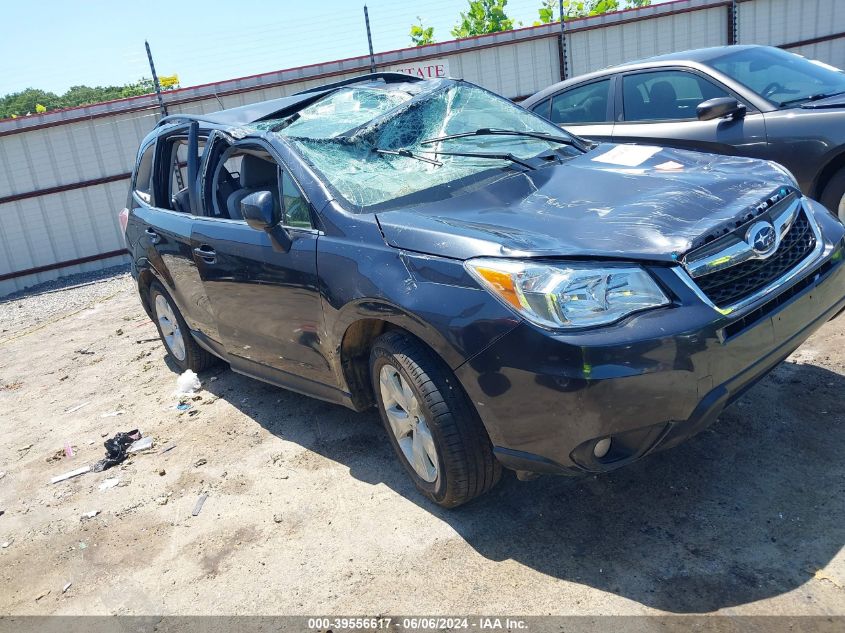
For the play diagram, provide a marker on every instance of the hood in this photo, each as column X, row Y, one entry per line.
column 619, row 201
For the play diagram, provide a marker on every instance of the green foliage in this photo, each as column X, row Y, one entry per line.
column 483, row 16
column 583, row 8
column 421, row 35
column 35, row 101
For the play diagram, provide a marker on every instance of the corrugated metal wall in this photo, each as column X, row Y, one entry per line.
column 75, row 151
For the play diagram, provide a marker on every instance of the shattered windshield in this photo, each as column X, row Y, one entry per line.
column 340, row 133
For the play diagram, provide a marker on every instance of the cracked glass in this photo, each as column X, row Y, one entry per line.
column 338, row 135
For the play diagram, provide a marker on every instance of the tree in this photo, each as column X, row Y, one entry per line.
column 582, row 8
column 484, row 16
column 34, row 101
column 421, row 35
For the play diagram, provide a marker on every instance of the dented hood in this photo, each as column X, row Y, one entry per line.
column 634, row 202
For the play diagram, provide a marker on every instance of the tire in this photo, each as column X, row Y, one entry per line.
column 833, row 196
column 443, row 423
column 188, row 355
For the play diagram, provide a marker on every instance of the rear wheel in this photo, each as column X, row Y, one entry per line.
column 432, row 426
column 833, row 196
column 174, row 332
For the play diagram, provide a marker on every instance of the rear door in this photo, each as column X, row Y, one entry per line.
column 266, row 300
column 658, row 107
column 166, row 237
column 584, row 109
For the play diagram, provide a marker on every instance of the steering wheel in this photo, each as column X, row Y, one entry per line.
column 772, row 88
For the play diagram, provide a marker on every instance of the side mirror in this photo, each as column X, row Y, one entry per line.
column 257, row 210
column 720, row 107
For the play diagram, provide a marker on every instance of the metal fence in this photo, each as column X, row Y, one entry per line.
column 63, row 175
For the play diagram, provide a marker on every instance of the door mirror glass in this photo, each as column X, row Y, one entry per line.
column 258, row 210
column 719, row 108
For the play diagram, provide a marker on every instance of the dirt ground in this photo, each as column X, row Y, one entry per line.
column 308, row 512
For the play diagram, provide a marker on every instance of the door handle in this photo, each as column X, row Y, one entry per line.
column 208, row 254
column 155, row 238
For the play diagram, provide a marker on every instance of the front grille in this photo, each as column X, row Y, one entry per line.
column 734, row 284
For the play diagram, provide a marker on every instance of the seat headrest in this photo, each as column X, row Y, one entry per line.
column 663, row 91
column 257, row 172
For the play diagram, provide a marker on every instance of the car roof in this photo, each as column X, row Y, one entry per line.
column 690, row 57
column 274, row 108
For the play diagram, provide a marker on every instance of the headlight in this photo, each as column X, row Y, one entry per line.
column 786, row 173
column 568, row 295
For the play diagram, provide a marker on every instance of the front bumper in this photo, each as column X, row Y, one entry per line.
column 647, row 383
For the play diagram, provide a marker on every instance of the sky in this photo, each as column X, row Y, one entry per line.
column 56, row 44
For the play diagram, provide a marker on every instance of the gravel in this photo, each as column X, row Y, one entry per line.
column 31, row 308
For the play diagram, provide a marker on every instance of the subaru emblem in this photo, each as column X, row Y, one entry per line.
column 762, row 238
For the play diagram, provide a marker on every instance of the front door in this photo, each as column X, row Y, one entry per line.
column 265, row 299
column 659, row 108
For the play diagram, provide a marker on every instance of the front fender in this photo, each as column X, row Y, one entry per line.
column 433, row 298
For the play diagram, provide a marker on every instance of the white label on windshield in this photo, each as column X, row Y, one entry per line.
column 628, row 155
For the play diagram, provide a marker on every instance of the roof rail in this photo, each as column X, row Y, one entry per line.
column 173, row 118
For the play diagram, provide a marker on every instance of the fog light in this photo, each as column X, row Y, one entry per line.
column 601, row 448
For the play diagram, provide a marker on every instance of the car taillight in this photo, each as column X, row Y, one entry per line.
column 123, row 218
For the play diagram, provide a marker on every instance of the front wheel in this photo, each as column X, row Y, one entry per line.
column 432, row 426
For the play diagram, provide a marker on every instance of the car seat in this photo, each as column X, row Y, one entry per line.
column 664, row 100
column 257, row 174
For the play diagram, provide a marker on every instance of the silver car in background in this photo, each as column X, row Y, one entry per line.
column 754, row 101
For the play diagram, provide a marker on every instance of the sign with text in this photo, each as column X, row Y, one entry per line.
column 427, row 69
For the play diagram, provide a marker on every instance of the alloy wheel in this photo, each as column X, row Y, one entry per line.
column 169, row 324
column 408, row 423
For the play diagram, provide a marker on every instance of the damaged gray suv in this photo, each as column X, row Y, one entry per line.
column 504, row 293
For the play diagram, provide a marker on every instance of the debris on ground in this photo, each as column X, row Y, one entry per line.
column 66, row 587
column 167, row 448
column 278, row 518
column 187, row 383
column 89, row 515
column 116, row 448
column 68, row 450
column 42, row 595
column 71, row 474
column 183, row 406
column 821, row 574
column 112, row 414
column 162, row 501
column 6, row 544
column 77, row 407
column 111, row 482
column 2, row 474
column 162, row 472
column 198, row 506
column 25, row 448
column 202, row 461
column 83, row 352
column 145, row 443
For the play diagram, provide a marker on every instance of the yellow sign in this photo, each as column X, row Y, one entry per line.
column 169, row 81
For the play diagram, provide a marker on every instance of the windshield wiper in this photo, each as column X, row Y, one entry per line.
column 508, row 156
column 486, row 131
column 406, row 153
column 815, row 97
